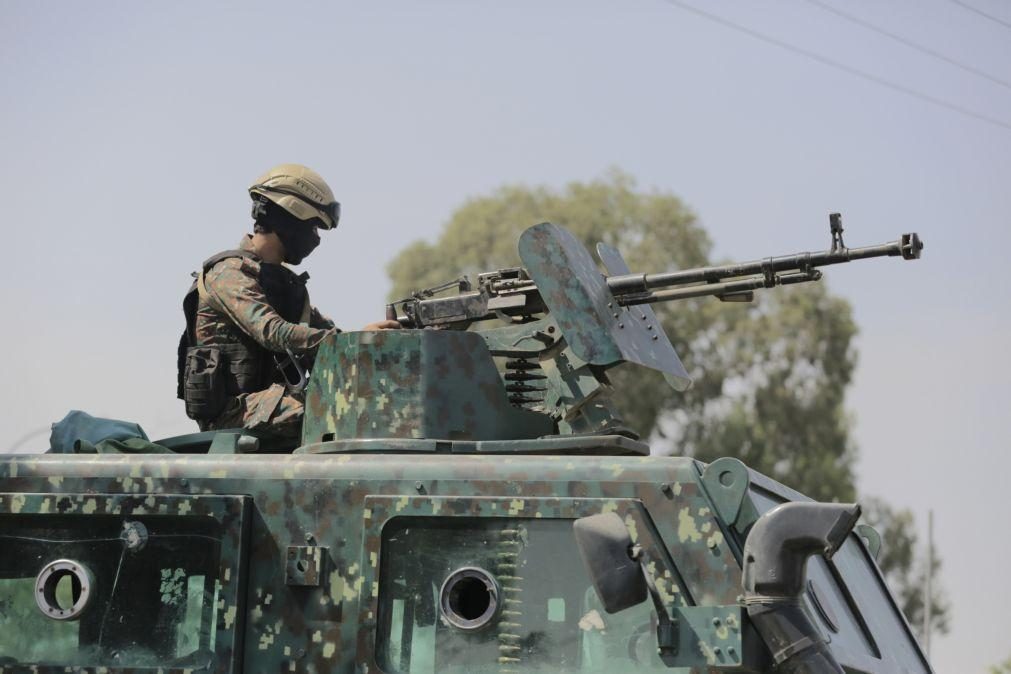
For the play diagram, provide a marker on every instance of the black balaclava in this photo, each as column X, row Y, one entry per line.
column 299, row 238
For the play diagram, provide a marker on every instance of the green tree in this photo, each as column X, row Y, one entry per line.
column 770, row 376
column 1002, row 668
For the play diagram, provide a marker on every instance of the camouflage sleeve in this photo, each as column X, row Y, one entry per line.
column 233, row 289
column 318, row 320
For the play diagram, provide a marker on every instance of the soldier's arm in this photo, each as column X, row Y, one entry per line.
column 233, row 289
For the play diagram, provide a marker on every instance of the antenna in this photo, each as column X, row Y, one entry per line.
column 928, row 598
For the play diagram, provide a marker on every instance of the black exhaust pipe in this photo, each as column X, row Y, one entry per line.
column 775, row 559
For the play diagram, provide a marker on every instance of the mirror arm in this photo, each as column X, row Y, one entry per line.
column 667, row 636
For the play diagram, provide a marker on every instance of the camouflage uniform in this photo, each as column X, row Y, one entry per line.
column 236, row 309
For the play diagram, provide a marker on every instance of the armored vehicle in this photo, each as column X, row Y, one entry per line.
column 461, row 500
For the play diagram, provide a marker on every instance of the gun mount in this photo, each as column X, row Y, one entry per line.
column 541, row 368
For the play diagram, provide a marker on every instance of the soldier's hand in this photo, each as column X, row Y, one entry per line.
column 383, row 325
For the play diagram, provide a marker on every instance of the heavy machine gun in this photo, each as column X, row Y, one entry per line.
column 512, row 294
column 561, row 323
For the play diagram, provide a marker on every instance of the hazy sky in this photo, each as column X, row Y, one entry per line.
column 130, row 132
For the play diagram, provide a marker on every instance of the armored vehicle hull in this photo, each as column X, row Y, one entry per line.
column 339, row 562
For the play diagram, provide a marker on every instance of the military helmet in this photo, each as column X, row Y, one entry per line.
column 300, row 191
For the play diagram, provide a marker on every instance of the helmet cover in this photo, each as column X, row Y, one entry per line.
column 300, row 191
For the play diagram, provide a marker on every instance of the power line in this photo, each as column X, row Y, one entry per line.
column 993, row 18
column 909, row 43
column 824, row 60
column 28, row 436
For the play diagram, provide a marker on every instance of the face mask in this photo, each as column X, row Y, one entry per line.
column 299, row 240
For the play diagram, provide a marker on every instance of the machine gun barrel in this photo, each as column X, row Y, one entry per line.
column 513, row 295
column 766, row 273
column 738, row 290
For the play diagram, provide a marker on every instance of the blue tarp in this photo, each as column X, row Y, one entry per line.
column 81, row 427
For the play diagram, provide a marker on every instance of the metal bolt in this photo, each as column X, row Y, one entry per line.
column 666, row 488
column 716, row 622
column 621, row 325
column 655, row 338
column 716, row 650
column 183, row 482
column 731, row 651
column 419, row 486
column 309, row 538
column 610, row 304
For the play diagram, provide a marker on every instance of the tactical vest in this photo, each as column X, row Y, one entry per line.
column 208, row 375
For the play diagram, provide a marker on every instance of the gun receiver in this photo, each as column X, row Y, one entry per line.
column 512, row 295
column 507, row 294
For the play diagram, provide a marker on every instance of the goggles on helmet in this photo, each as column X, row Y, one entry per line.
column 333, row 210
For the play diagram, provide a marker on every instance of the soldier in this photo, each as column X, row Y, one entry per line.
column 247, row 312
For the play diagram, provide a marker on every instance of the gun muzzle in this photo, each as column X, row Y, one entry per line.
column 911, row 246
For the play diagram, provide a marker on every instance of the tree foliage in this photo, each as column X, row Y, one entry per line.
column 770, row 377
column 1002, row 668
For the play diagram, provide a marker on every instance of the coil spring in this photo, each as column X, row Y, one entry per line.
column 521, row 378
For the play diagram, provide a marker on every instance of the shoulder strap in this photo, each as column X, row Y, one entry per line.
column 201, row 289
column 307, row 307
column 224, row 255
column 214, row 259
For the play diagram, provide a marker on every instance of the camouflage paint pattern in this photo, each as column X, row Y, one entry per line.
column 139, row 503
column 598, row 329
column 313, row 556
column 340, row 503
column 412, row 384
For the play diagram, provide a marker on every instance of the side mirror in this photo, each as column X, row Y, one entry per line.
column 606, row 549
